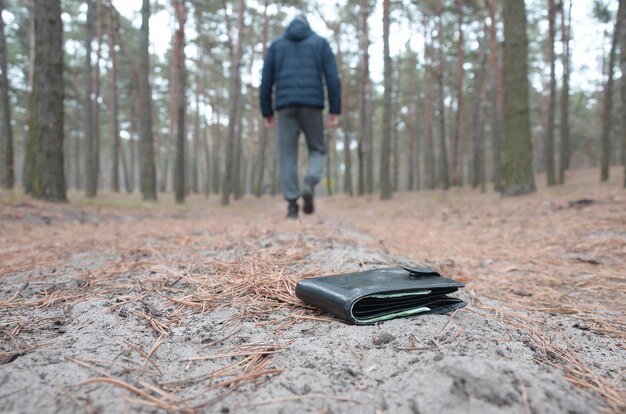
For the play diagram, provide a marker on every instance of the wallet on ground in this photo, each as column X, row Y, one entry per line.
column 381, row 294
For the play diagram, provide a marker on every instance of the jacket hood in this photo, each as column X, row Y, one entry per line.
column 298, row 29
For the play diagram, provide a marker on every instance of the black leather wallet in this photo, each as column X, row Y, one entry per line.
column 378, row 295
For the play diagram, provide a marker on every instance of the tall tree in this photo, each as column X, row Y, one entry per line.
column 385, row 155
column 459, row 130
column 180, row 9
column 517, row 174
column 45, row 178
column 549, row 143
column 234, row 98
column 622, row 17
column 607, row 113
column 444, row 176
column 364, row 150
column 429, row 74
column 146, row 142
column 495, row 94
column 566, row 24
column 263, row 136
column 336, row 27
column 478, row 124
column 95, row 156
column 113, row 105
column 7, row 176
column 90, row 136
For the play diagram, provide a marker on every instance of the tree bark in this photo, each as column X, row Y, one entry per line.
column 549, row 146
column 395, row 109
column 459, row 131
column 180, row 10
column 518, row 175
column 234, row 97
column 607, row 114
column 444, row 175
column 238, row 155
column 263, row 135
column 91, row 187
column 622, row 17
column 114, row 118
column 146, row 142
column 385, row 179
column 566, row 24
column 125, row 169
column 197, row 135
column 329, row 162
column 364, row 178
column 429, row 159
column 478, row 124
column 45, row 178
column 7, row 171
column 495, row 95
column 217, row 149
column 347, row 128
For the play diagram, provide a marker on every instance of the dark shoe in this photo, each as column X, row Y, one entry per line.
column 292, row 210
column 307, row 196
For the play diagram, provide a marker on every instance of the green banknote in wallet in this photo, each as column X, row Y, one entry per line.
column 381, row 294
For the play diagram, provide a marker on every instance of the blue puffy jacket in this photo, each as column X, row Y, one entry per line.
column 296, row 62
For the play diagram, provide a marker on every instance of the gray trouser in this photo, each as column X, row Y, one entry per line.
column 291, row 121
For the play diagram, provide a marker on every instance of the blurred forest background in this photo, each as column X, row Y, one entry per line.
column 90, row 102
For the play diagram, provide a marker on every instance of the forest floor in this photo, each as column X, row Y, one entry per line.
column 114, row 305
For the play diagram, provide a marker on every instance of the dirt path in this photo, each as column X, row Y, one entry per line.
column 107, row 309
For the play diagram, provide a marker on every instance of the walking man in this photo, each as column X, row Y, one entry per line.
column 298, row 63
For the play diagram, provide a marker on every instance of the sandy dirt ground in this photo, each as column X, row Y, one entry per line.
column 119, row 306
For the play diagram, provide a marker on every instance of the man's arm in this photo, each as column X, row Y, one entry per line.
column 333, row 84
column 267, row 84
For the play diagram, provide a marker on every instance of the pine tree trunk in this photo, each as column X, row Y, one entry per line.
column 238, row 156
column 114, row 119
column 7, row 174
column 347, row 129
column 257, row 185
column 410, row 127
column 97, row 93
column 146, row 142
column 385, row 179
column 197, row 134
column 91, row 187
column 217, row 148
column 252, row 137
column 181, row 105
column 566, row 24
column 207, row 158
column 234, row 97
column 369, row 148
column 444, row 176
column 478, row 124
column 622, row 17
column 549, row 145
column 429, row 159
column 495, row 95
column 77, row 160
column 166, row 143
column 362, row 149
column 345, row 125
column 329, row 162
column 125, row 169
column 45, row 178
column 607, row 114
column 459, row 132
column 395, row 105
column 517, row 175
